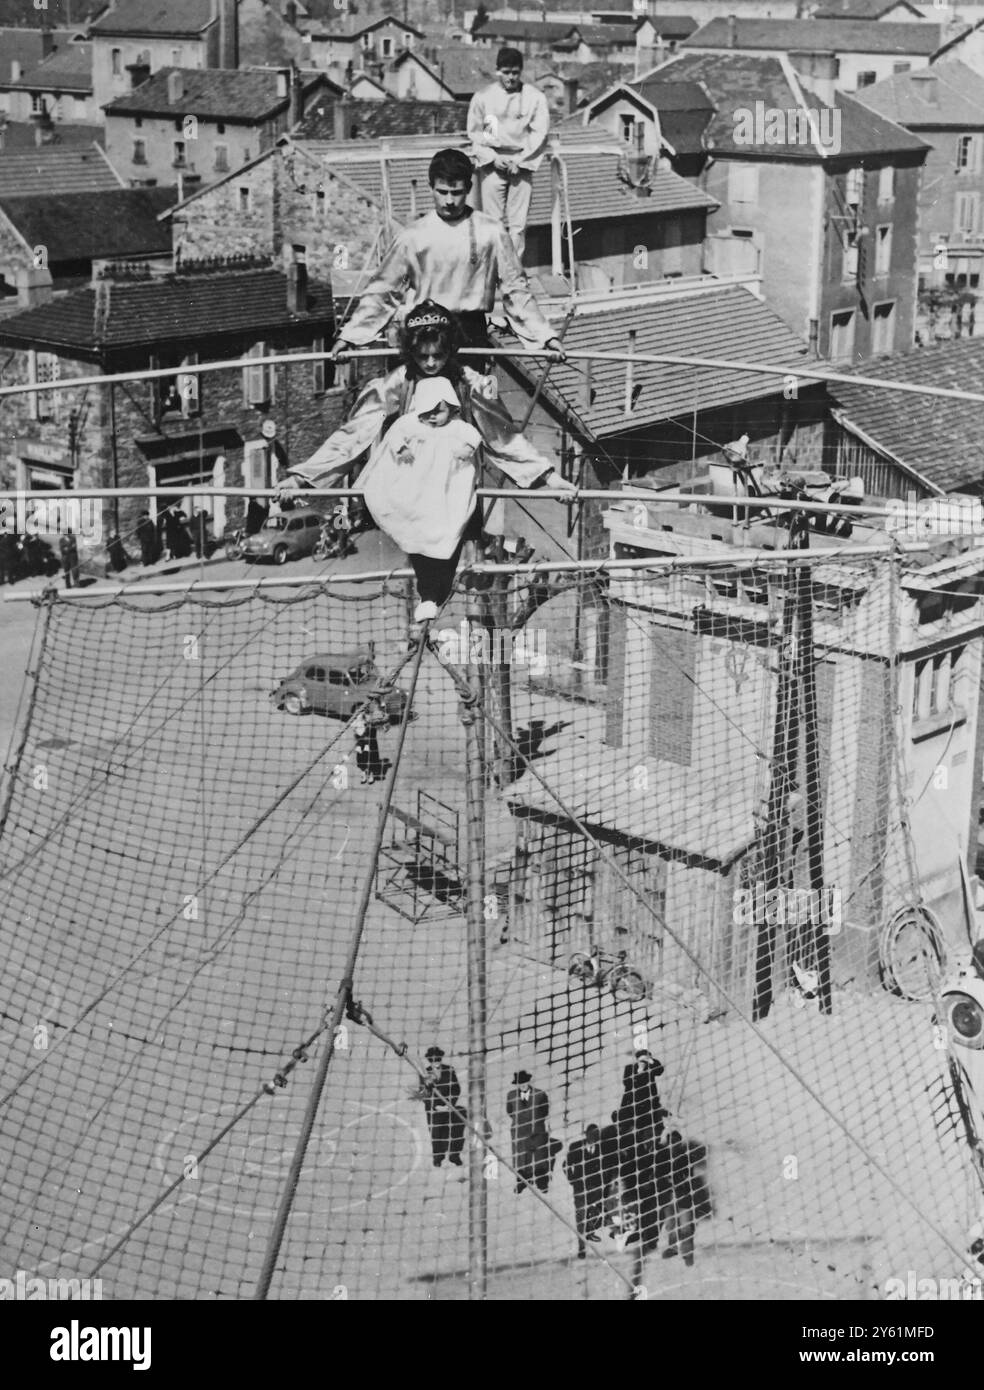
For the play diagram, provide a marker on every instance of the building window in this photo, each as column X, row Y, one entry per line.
column 901, row 67
column 177, row 395
column 258, row 381
column 867, row 78
column 43, row 366
column 842, row 336
column 743, row 183
column 140, row 151
column 175, row 57
column 139, row 122
column 387, row 48
column 882, row 329
column 319, row 372
column 886, row 184
column 849, row 266
column 180, row 162
column 37, row 104
column 220, row 127
column 935, row 684
column 221, row 159
column 966, row 214
column 968, row 154
column 116, row 58
column 883, row 250
column 245, row 199
column 628, row 128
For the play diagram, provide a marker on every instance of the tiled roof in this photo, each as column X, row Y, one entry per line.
column 685, row 111
column 949, row 44
column 820, row 36
column 598, row 35
column 945, row 94
column 23, row 135
column 223, row 94
column 460, row 69
column 24, row 46
column 942, row 440
column 506, row 29
column 76, row 226
column 171, row 310
column 725, row 322
column 179, row 18
column 375, row 120
column 62, row 14
column 329, row 23
column 595, row 189
column 68, row 69
column 861, row 9
column 738, row 80
column 56, row 169
column 672, row 26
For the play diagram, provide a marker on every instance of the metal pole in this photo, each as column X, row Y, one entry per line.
column 115, row 456
column 813, row 792
column 477, row 1004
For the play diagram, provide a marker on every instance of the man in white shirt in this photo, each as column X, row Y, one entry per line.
column 508, row 125
column 458, row 257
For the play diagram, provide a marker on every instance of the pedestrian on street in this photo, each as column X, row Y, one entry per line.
column 147, row 536
column 441, row 1090
column 584, row 1167
column 528, row 1110
column 681, row 1177
column 8, row 548
column 199, row 533
column 69, row 548
column 640, row 1106
column 118, row 557
column 366, row 747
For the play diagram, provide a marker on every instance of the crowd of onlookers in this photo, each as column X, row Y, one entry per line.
column 643, row 1183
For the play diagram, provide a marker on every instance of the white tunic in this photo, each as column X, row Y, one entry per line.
column 509, row 125
column 457, row 264
column 420, row 484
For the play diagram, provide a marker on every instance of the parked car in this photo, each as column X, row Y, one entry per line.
column 286, row 536
column 338, row 683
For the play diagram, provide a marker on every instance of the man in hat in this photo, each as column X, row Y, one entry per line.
column 640, row 1110
column 528, row 1110
column 458, row 257
column 584, row 1167
column 69, row 548
column 441, row 1091
column 508, row 125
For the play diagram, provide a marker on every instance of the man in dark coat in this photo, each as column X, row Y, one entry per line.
column 528, row 1110
column 147, row 536
column 116, row 551
column 199, row 533
column 685, row 1196
column 584, row 1167
column 640, row 1106
column 441, row 1091
column 69, row 548
column 7, row 548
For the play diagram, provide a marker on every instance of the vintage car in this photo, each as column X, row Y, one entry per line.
column 338, row 683
column 285, row 536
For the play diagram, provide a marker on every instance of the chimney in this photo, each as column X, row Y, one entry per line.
column 101, row 310
column 34, row 287
column 570, row 94
column 47, row 41
column 819, row 72
column 630, row 374
column 928, row 88
column 732, row 31
column 175, row 87
column 15, row 70
column 296, row 95
column 283, row 84
column 228, row 33
column 297, row 280
column 340, row 114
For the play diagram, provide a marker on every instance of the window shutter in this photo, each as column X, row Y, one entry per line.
column 255, row 389
column 318, row 373
column 188, row 386
column 255, row 470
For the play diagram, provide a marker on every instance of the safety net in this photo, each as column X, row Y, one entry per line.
column 579, row 949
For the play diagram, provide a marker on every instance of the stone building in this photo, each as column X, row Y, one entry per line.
column 171, row 431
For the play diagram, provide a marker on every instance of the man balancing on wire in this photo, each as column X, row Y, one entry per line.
column 460, row 258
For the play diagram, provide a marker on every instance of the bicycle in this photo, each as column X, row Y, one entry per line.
column 602, row 968
column 235, row 543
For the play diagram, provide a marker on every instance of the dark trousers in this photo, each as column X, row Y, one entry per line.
column 588, row 1211
column 447, row 1134
column 435, row 578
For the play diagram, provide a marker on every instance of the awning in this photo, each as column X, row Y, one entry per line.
column 706, row 820
column 189, row 445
